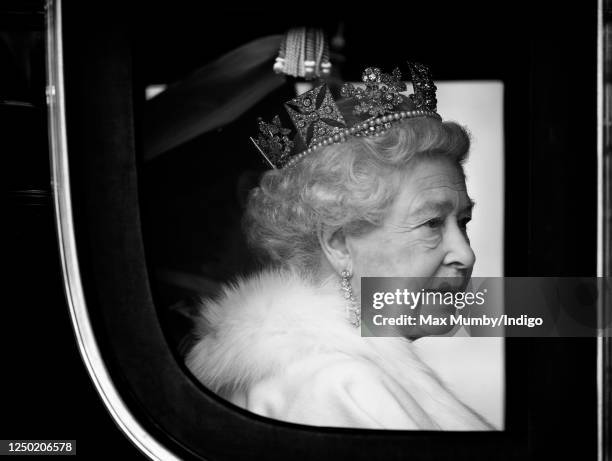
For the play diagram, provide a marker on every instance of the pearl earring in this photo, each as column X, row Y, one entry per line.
column 353, row 310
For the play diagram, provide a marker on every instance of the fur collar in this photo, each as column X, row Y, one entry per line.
column 262, row 323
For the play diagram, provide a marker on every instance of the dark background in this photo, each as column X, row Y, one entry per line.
column 544, row 54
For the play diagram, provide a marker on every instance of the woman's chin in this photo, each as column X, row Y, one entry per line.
column 436, row 330
column 434, row 320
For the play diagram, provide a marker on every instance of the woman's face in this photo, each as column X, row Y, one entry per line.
column 425, row 233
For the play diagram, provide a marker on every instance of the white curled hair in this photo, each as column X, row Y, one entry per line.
column 349, row 186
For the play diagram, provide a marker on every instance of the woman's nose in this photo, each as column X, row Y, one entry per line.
column 458, row 249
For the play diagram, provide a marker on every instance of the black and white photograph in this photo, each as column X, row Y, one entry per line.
column 307, row 231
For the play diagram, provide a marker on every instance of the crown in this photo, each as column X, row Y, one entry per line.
column 368, row 110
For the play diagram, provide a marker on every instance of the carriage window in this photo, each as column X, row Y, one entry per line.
column 259, row 231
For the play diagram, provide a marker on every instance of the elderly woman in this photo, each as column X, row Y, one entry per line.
column 372, row 185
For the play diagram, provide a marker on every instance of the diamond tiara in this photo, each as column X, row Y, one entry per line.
column 371, row 110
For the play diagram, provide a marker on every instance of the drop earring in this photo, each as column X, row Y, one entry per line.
column 353, row 310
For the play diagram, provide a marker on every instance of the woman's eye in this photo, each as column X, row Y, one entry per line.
column 434, row 223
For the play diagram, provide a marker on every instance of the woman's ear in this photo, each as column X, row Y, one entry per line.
column 335, row 249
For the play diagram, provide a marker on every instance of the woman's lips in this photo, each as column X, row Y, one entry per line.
column 456, row 286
